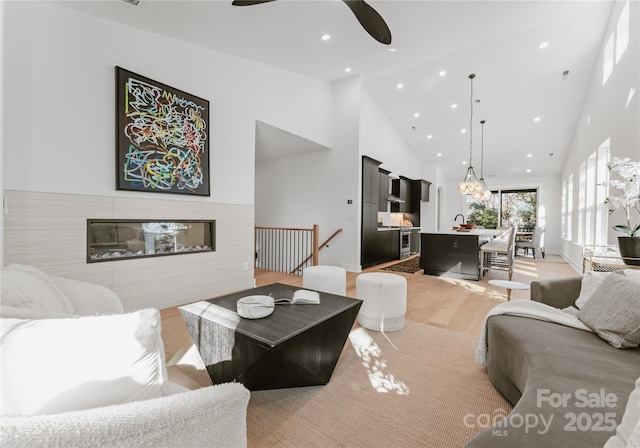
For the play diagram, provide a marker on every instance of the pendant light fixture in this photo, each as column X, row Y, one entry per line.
column 483, row 193
column 470, row 184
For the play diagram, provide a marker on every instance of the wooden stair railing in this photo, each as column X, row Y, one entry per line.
column 315, row 252
column 278, row 249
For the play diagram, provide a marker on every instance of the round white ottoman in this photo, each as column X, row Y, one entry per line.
column 331, row 279
column 384, row 299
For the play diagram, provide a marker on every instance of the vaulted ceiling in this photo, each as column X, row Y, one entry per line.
column 516, row 81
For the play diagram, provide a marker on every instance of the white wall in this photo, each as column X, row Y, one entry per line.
column 314, row 188
column 59, row 86
column 60, row 68
column 608, row 113
column 2, row 40
column 380, row 140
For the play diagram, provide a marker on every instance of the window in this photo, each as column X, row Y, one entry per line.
column 590, row 200
column 617, row 44
column 622, row 32
column 582, row 187
column 592, row 216
column 519, row 207
column 607, row 65
column 505, row 208
column 602, row 175
column 563, row 213
column 570, row 208
column 483, row 213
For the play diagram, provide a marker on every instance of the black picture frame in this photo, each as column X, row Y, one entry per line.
column 162, row 137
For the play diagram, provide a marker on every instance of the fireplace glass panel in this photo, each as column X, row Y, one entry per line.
column 109, row 240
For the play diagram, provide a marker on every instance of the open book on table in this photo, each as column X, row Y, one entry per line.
column 298, row 297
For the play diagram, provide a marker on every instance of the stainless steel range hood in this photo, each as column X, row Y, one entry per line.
column 394, row 198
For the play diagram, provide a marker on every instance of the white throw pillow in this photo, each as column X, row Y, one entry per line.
column 633, row 274
column 59, row 365
column 590, row 282
column 30, row 288
column 613, row 311
column 628, row 432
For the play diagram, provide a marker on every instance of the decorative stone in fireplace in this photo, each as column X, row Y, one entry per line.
column 116, row 239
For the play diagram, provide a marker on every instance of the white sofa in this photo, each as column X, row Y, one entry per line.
column 76, row 371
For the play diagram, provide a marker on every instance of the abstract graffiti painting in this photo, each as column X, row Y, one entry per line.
column 162, row 137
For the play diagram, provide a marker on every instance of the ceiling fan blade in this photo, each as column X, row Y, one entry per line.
column 370, row 20
column 249, row 2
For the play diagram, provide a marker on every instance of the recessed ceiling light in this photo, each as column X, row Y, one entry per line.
column 529, row 170
column 464, row 162
column 325, row 37
column 400, row 85
column 543, row 45
column 454, row 106
column 529, row 155
column 439, row 154
column 463, row 131
column 348, row 69
column 429, row 137
column 417, row 114
column 536, row 119
column 391, row 50
column 442, row 72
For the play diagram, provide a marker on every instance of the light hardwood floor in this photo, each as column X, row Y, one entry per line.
column 458, row 305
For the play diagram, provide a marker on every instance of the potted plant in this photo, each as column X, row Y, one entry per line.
column 628, row 181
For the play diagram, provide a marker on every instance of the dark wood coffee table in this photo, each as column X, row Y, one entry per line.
column 297, row 345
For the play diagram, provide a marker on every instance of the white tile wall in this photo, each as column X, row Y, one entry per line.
column 48, row 231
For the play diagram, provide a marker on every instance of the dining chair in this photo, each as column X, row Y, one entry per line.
column 536, row 242
column 499, row 252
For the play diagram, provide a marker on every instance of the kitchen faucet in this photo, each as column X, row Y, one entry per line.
column 459, row 214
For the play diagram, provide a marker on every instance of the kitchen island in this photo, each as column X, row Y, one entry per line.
column 452, row 253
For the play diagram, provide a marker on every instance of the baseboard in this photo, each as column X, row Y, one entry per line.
column 351, row 267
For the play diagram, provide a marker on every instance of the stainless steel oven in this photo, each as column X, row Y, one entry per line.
column 405, row 242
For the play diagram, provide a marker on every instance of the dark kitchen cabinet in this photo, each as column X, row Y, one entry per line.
column 376, row 246
column 383, row 190
column 383, row 245
column 369, row 242
column 370, row 180
column 369, row 253
column 393, row 251
column 388, row 245
column 454, row 256
column 415, row 241
column 402, row 188
column 419, row 194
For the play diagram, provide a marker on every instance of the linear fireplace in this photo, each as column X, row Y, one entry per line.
column 123, row 239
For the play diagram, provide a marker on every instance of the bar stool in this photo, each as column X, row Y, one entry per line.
column 384, row 299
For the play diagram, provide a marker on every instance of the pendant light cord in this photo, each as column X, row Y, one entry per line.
column 471, row 76
column 482, row 152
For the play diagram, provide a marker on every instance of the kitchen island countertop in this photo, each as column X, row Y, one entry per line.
column 479, row 232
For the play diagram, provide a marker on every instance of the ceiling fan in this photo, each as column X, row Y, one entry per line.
column 368, row 17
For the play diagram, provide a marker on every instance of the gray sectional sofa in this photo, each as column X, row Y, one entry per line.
column 569, row 387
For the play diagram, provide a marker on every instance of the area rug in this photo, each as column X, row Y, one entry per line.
column 417, row 387
column 409, row 266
